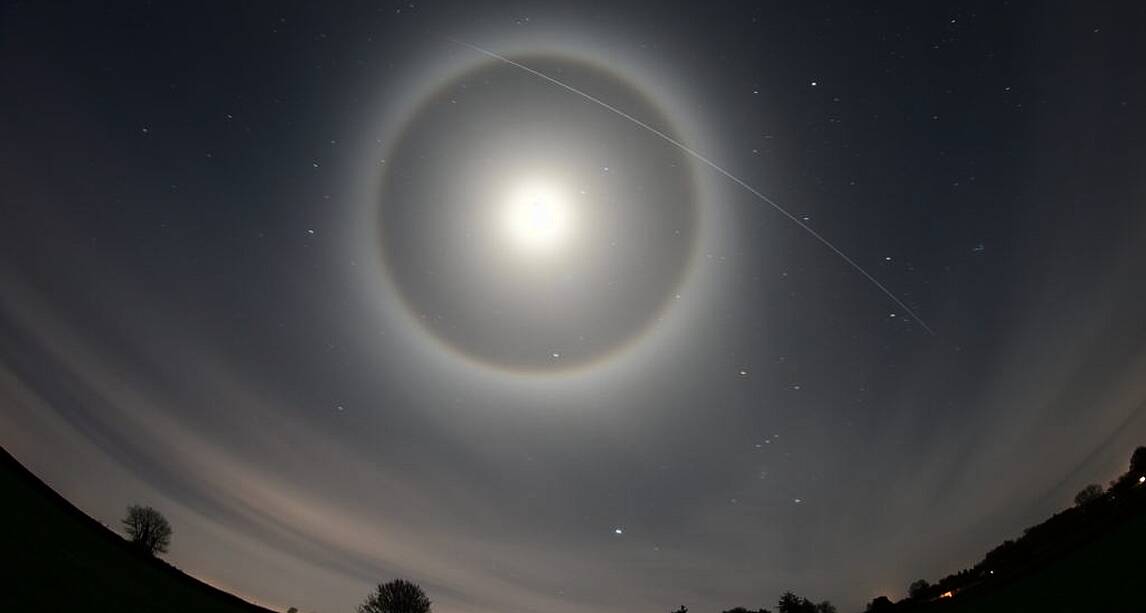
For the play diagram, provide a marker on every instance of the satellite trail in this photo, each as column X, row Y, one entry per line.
column 713, row 165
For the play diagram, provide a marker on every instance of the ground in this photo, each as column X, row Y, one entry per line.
column 59, row 559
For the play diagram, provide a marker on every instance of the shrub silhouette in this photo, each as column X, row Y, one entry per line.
column 1138, row 460
column 1088, row 494
column 147, row 529
column 918, row 589
column 397, row 596
column 791, row 603
column 880, row 603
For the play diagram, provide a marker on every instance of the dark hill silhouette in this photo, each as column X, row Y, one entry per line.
column 57, row 558
column 1086, row 558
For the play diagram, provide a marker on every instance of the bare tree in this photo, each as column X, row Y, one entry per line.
column 147, row 528
column 397, row 596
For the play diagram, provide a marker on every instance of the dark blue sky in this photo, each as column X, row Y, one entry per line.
column 196, row 313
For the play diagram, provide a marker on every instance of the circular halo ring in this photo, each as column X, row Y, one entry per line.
column 405, row 116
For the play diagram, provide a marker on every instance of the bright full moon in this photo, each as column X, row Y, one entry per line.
column 538, row 216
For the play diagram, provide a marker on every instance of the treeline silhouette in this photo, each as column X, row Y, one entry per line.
column 791, row 603
column 1097, row 512
column 788, row 603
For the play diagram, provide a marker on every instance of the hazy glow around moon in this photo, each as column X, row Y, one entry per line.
column 538, row 217
column 525, row 230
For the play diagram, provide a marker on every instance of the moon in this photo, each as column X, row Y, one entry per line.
column 538, row 217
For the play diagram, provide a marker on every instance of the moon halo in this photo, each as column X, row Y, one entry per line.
column 527, row 231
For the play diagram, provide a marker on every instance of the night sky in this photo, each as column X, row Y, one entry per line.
column 262, row 269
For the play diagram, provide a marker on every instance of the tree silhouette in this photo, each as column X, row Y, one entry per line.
column 147, row 529
column 1138, row 460
column 1088, row 494
column 682, row 609
column 918, row 589
column 397, row 596
column 791, row 603
column 880, row 603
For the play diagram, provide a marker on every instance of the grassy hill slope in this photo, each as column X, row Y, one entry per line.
column 1086, row 558
column 56, row 558
column 1105, row 575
